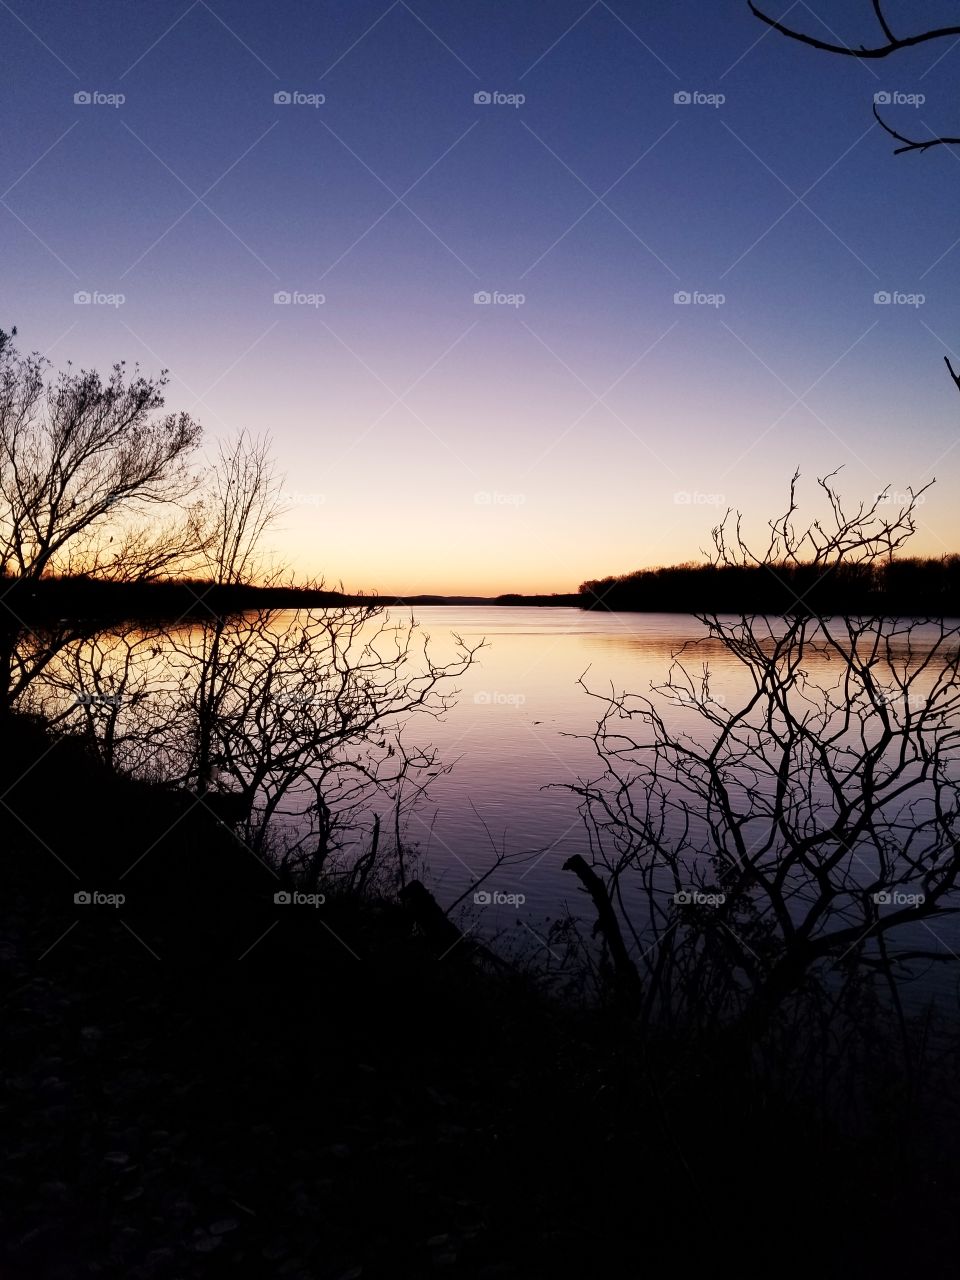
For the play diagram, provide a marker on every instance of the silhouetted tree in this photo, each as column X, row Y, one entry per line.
column 77, row 454
column 244, row 503
column 807, row 837
column 93, row 479
column 289, row 722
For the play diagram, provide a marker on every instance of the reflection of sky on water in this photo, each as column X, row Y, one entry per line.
column 521, row 725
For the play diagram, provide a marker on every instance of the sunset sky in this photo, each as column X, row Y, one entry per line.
column 432, row 443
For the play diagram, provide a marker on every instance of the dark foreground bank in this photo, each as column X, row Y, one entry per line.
column 198, row 1081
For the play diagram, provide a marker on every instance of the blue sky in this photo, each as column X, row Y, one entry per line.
column 436, row 443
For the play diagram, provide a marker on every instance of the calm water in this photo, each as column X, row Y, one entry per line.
column 518, row 726
column 510, row 735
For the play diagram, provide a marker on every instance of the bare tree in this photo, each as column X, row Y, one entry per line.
column 114, row 689
column 310, row 709
column 807, row 836
column 290, row 723
column 244, row 503
column 303, row 737
column 94, row 479
column 78, row 454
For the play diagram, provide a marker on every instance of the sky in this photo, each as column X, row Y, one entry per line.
column 681, row 221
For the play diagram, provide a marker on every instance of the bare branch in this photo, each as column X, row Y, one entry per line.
column 862, row 51
column 803, row 826
column 908, row 143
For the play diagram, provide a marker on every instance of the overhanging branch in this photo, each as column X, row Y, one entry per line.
column 877, row 51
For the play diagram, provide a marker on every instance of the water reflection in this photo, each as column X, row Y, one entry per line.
column 318, row 733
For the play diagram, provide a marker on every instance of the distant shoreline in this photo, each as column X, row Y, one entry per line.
column 901, row 588
column 89, row 599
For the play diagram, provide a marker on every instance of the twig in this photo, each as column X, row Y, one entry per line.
column 910, row 144
column 878, row 51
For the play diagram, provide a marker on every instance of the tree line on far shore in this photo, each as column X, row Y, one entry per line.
column 908, row 586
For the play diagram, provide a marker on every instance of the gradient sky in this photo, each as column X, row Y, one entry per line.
column 433, row 444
